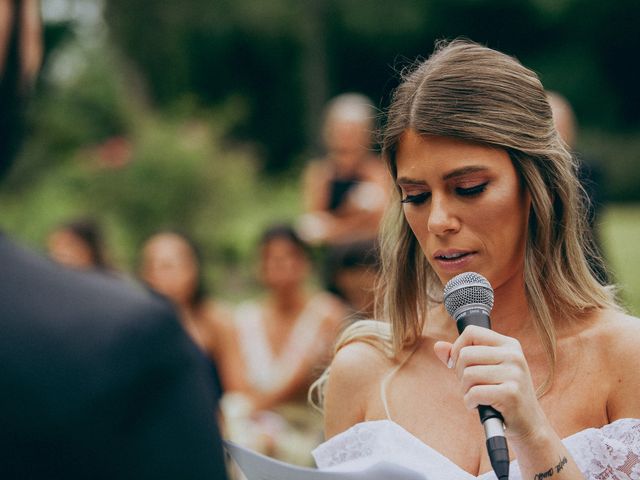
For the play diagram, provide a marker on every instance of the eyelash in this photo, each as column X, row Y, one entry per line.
column 472, row 191
column 416, row 199
column 464, row 192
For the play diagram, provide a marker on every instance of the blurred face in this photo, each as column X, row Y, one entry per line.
column 283, row 264
column 169, row 266
column 465, row 205
column 347, row 143
column 68, row 249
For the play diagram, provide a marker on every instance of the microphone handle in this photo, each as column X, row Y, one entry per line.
column 491, row 419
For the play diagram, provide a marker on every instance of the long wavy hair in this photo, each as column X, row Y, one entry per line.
column 467, row 91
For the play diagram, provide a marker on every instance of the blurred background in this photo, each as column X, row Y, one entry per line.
column 201, row 115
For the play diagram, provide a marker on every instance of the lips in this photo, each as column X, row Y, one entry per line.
column 451, row 255
column 451, row 262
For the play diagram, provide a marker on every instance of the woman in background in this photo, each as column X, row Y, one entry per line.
column 274, row 350
column 171, row 264
column 346, row 190
column 78, row 244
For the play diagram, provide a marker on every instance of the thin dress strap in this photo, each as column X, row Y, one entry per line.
column 387, row 378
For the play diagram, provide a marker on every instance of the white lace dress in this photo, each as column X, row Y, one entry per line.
column 610, row 452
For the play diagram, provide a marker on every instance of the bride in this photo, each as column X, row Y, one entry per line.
column 484, row 184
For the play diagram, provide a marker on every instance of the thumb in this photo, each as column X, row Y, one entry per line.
column 443, row 351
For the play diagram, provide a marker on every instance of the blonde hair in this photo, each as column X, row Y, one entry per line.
column 468, row 91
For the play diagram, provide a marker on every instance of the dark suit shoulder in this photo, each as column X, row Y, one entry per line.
column 93, row 365
column 74, row 332
column 51, row 296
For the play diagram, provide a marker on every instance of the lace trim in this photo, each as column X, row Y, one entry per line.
column 608, row 453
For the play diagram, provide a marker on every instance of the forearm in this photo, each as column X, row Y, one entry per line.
column 545, row 457
column 292, row 389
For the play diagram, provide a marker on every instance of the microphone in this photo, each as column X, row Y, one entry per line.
column 468, row 297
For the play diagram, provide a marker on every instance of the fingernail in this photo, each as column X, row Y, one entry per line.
column 450, row 363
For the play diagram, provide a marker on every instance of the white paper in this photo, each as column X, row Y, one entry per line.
column 259, row 467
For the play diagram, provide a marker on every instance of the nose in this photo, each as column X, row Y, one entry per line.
column 442, row 219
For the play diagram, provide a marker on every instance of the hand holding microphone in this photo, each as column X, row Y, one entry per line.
column 468, row 298
column 491, row 368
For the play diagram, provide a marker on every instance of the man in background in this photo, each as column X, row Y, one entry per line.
column 96, row 380
column 591, row 177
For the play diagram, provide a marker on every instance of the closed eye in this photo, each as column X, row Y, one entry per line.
column 417, row 199
column 471, row 191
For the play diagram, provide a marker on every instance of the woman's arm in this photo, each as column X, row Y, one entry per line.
column 353, row 377
column 315, row 187
column 224, row 346
column 493, row 371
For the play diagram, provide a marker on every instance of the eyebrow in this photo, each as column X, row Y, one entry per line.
column 459, row 172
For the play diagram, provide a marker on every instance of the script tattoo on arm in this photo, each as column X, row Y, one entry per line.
column 549, row 473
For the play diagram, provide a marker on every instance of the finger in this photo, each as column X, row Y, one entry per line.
column 443, row 351
column 498, row 396
column 480, row 355
column 481, row 375
column 474, row 335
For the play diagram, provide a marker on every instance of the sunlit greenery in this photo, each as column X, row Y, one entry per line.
column 200, row 115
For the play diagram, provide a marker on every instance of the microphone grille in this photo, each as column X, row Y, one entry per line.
column 465, row 289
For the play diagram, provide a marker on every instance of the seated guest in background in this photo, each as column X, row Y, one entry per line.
column 275, row 349
column 78, row 244
column 346, row 191
column 172, row 265
column 98, row 380
column 485, row 184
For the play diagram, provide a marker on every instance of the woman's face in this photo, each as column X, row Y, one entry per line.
column 69, row 249
column 465, row 204
column 169, row 266
column 347, row 143
column 283, row 264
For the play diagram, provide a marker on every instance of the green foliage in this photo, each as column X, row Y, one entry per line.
column 620, row 226
column 150, row 147
column 96, row 150
column 286, row 57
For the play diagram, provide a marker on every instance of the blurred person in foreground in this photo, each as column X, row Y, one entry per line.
column 98, row 380
column 484, row 184
column 345, row 191
column 590, row 174
column 274, row 350
column 78, row 244
column 171, row 264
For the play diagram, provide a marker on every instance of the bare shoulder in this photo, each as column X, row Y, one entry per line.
column 618, row 336
column 359, row 361
column 354, row 379
column 217, row 315
column 220, row 333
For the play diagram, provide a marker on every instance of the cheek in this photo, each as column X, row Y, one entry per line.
column 414, row 218
column 417, row 223
column 505, row 221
